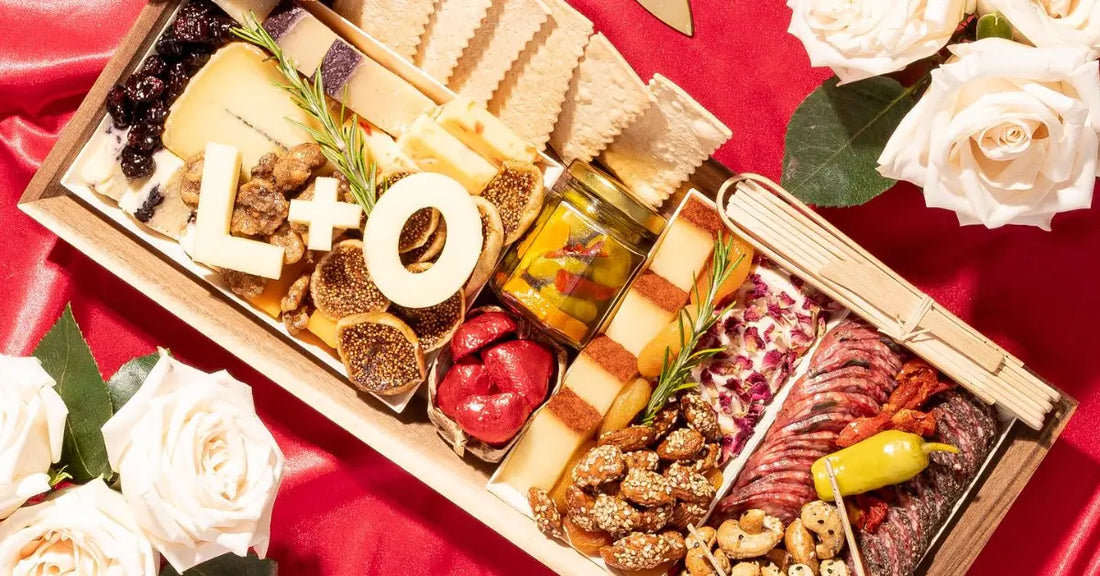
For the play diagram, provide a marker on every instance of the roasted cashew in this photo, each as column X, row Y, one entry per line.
column 800, row 570
column 752, row 521
column 698, row 564
column 708, row 534
column 780, row 558
column 800, row 543
column 739, row 544
column 770, row 569
column 834, row 568
column 822, row 519
column 745, row 569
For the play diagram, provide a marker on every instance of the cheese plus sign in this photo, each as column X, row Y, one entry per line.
column 324, row 214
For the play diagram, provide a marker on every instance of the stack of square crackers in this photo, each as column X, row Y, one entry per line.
column 541, row 68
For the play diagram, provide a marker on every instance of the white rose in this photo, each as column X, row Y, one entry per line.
column 198, row 467
column 1051, row 22
column 32, row 426
column 1006, row 134
column 863, row 38
column 86, row 530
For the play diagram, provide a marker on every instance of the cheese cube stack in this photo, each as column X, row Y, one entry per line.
column 570, row 417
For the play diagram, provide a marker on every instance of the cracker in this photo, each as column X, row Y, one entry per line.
column 509, row 27
column 605, row 96
column 449, row 31
column 530, row 97
column 666, row 144
column 398, row 24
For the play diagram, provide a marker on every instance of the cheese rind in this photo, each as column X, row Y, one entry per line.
column 303, row 38
column 235, row 99
column 213, row 245
column 483, row 133
column 435, row 150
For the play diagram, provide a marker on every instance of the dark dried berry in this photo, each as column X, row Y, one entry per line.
column 144, row 137
column 156, row 113
column 144, row 89
column 222, row 29
column 136, row 164
column 153, row 66
column 119, row 107
column 178, row 78
column 169, row 46
column 192, row 28
column 195, row 60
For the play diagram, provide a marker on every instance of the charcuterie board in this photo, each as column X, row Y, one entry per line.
column 315, row 375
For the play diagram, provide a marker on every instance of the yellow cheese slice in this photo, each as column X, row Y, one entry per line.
column 683, row 254
column 435, row 150
column 482, row 132
column 541, row 454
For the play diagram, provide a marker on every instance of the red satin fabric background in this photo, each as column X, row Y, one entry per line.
column 345, row 510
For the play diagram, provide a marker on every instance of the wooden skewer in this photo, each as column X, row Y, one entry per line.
column 706, row 550
column 857, row 558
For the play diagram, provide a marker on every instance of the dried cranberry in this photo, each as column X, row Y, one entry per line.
column 144, row 137
column 192, row 28
column 176, row 82
column 156, row 113
column 136, row 164
column 169, row 46
column 195, row 61
column 144, row 89
column 153, row 66
column 223, row 29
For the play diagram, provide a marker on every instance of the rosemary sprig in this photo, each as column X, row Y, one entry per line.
column 340, row 138
column 676, row 372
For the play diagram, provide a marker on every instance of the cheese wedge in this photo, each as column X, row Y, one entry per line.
column 452, row 25
column 235, row 100
column 156, row 202
column 685, row 250
column 303, row 38
column 435, row 150
column 483, row 133
column 509, row 26
column 399, row 24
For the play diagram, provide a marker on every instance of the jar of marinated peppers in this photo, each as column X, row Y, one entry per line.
column 573, row 266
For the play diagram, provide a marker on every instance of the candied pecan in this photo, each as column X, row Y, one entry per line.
column 700, row 415
column 642, row 460
column 294, row 247
column 259, row 210
column 265, row 167
column 645, row 488
column 615, row 515
column 639, row 551
column 653, row 519
column 684, row 513
column 681, row 444
column 191, row 180
column 296, row 320
column 688, row 485
column 628, row 439
column 578, row 505
column 708, row 459
column 297, row 165
column 666, row 419
column 296, row 295
column 600, row 465
column 546, row 513
column 242, row 284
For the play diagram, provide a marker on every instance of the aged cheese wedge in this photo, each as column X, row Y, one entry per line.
column 436, row 150
column 509, row 26
column 371, row 90
column 452, row 25
column 604, row 97
column 685, row 250
column 529, row 98
column 303, row 38
column 156, row 201
column 235, row 100
column 213, row 245
column 483, row 133
column 399, row 24
column 650, row 304
column 239, row 9
column 664, row 146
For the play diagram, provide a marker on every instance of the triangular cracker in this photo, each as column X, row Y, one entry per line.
column 449, row 31
column 398, row 24
column 666, row 144
column 507, row 30
column 530, row 97
column 605, row 96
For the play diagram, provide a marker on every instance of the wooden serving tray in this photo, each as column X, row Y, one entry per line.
column 409, row 439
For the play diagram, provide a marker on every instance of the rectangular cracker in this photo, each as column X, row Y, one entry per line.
column 530, row 97
column 663, row 147
column 508, row 28
column 449, row 31
column 605, row 96
column 398, row 24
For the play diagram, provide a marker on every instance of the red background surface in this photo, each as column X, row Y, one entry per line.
column 346, row 510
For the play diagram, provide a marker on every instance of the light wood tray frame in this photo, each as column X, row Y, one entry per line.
column 409, row 440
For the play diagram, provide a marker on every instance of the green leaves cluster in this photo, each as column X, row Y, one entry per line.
column 229, row 565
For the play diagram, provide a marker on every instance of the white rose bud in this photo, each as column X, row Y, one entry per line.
column 86, row 530
column 32, row 427
column 859, row 39
column 1051, row 22
column 198, row 467
column 1006, row 134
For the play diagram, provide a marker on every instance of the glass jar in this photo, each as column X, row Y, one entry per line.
column 575, row 263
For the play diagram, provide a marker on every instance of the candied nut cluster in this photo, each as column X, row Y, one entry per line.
column 638, row 489
column 546, row 513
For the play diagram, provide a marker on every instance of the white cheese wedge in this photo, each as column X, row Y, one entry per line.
column 303, row 38
column 212, row 244
column 156, row 203
column 482, row 132
column 324, row 214
column 385, row 153
column 235, row 100
column 371, row 90
column 541, row 454
column 239, row 9
column 436, row 150
column 100, row 169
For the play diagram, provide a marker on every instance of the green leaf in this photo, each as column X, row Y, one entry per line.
column 125, row 383
column 65, row 356
column 835, row 138
column 994, row 25
column 229, row 565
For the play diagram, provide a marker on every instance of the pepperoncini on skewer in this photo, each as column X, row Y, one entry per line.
column 885, row 459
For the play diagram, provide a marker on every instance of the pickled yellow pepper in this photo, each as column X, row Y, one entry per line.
column 887, row 458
